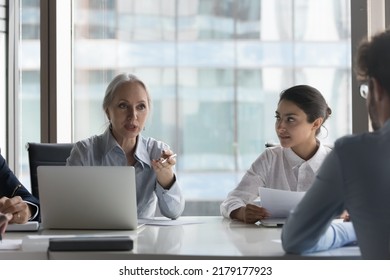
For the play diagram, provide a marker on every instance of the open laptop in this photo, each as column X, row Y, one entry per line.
column 87, row 197
column 279, row 203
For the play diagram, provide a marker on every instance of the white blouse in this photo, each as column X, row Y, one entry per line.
column 276, row 168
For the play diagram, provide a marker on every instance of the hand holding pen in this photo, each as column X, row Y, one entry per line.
column 167, row 160
column 15, row 205
column 163, row 168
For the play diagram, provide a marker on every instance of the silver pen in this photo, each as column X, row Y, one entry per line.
column 165, row 159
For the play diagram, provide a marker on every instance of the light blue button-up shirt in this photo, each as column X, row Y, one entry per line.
column 103, row 150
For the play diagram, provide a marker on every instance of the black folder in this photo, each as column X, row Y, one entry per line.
column 91, row 243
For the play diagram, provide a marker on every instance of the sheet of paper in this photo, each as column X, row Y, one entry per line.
column 10, row 244
column 279, row 202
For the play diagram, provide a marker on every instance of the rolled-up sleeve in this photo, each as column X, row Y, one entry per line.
column 171, row 202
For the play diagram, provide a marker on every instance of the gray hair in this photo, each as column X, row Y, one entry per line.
column 116, row 83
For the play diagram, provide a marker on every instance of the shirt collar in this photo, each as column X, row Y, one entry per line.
column 110, row 143
column 314, row 162
column 141, row 152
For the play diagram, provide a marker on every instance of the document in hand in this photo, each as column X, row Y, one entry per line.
column 278, row 203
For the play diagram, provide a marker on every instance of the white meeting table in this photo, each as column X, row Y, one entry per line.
column 203, row 237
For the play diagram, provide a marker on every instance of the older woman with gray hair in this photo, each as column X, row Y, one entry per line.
column 127, row 105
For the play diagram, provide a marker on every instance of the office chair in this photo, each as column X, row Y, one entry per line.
column 45, row 154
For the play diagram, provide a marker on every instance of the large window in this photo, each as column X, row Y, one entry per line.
column 215, row 69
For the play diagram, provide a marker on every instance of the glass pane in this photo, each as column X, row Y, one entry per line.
column 3, row 98
column 29, row 83
column 248, row 14
column 251, row 115
column 206, row 106
column 161, row 85
column 215, row 69
column 205, row 20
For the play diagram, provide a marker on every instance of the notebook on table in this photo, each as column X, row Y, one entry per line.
column 279, row 203
column 87, row 197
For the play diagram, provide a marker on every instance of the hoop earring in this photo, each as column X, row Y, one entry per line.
column 327, row 132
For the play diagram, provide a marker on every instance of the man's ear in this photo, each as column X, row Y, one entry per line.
column 108, row 115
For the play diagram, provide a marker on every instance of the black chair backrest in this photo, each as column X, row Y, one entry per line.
column 45, row 154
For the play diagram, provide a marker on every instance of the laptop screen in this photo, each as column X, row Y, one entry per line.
column 87, row 197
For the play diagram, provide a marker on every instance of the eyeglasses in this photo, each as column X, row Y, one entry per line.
column 364, row 89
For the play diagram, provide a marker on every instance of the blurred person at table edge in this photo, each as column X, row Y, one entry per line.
column 15, row 199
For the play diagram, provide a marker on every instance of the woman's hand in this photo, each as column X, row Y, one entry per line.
column 250, row 214
column 19, row 209
column 163, row 168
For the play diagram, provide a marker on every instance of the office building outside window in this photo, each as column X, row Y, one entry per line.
column 215, row 69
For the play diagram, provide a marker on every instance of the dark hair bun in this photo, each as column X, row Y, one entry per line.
column 329, row 111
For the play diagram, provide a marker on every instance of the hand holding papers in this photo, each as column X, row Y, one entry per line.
column 278, row 203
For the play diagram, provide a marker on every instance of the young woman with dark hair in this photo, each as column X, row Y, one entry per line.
column 290, row 166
